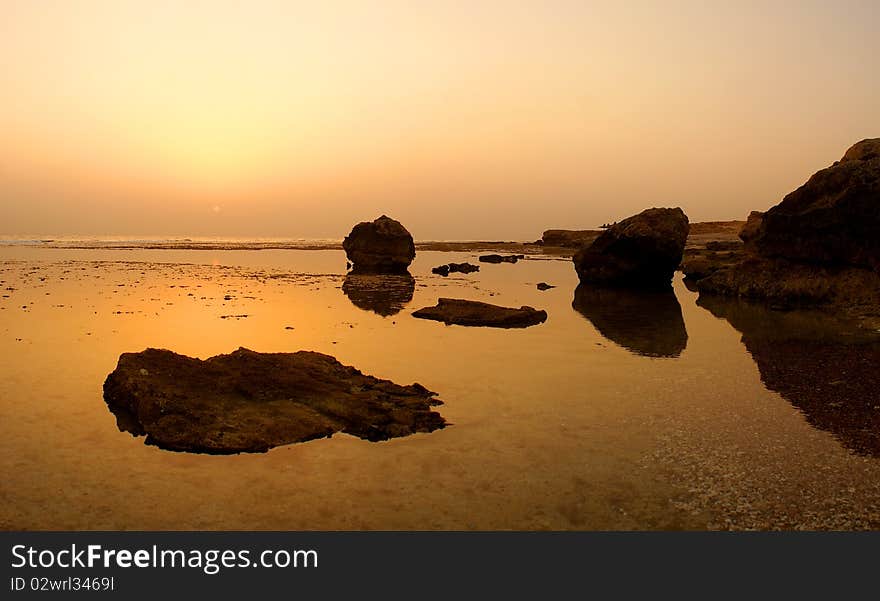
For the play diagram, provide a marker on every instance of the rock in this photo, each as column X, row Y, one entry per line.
column 724, row 245
column 834, row 218
column 501, row 258
column 466, row 267
column 752, row 226
column 792, row 284
column 823, row 366
column 819, row 247
column 380, row 246
column 699, row 264
column 473, row 313
column 569, row 238
column 544, row 286
column 698, row 267
column 641, row 251
column 385, row 295
column 250, row 402
column 445, row 270
column 644, row 322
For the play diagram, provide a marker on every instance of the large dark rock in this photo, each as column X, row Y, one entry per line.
column 645, row 322
column 250, row 402
column 641, row 251
column 819, row 247
column 380, row 246
column 834, row 218
column 385, row 295
column 473, row 313
column 825, row 367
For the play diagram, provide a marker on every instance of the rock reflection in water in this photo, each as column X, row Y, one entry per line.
column 828, row 370
column 383, row 294
column 646, row 323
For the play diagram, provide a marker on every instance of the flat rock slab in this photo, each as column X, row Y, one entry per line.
column 473, row 313
column 247, row 402
column 501, row 258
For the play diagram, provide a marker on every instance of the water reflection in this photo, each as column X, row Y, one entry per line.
column 383, row 294
column 828, row 370
column 646, row 323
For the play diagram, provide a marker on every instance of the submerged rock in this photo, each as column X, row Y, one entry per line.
column 644, row 322
column 834, row 218
column 501, row 258
column 473, row 313
column 385, row 295
column 380, row 246
column 641, row 251
column 250, row 402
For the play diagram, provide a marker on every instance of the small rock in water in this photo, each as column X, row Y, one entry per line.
column 501, row 258
column 445, row 270
column 544, row 286
column 473, row 313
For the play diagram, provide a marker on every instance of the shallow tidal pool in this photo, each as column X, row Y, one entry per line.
column 621, row 411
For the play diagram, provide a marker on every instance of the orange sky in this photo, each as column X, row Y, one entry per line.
column 491, row 119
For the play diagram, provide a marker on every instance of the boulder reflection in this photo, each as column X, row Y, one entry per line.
column 829, row 371
column 383, row 294
column 646, row 323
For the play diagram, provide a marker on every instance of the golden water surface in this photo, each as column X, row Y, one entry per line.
column 622, row 411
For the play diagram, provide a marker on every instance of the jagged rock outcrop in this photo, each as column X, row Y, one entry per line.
column 820, row 246
column 834, row 218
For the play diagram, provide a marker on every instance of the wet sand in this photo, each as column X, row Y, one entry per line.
column 577, row 423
